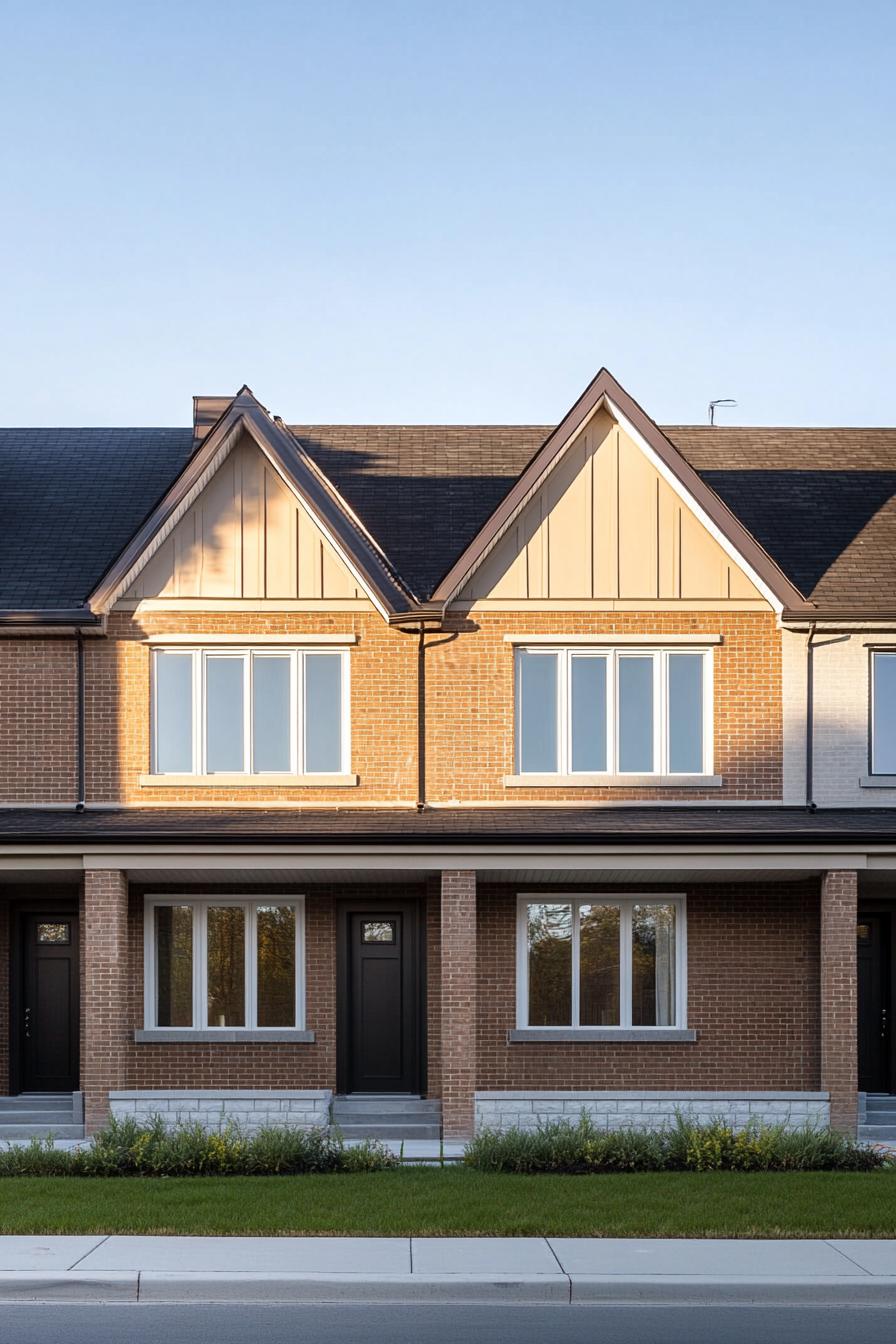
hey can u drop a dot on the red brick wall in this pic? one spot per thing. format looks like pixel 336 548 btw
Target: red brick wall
pixel 470 703
pixel 4 998
pixel 38 696
pixel 752 996
pixel 839 1026
pixel 106 986
pixel 458 1002
pixel 470 707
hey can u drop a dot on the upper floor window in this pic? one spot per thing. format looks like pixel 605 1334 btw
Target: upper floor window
pixel 613 711
pixel 250 711
pixel 883 713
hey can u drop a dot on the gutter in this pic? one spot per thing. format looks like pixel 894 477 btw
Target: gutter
pixel 58 619
pixel 810 718
pixel 81 802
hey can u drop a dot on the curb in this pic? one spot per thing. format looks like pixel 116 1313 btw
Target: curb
pixel 577 1289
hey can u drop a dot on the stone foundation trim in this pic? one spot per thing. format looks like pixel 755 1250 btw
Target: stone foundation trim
pixel 214 1108
pixel 219 1036
pixel 643 1035
pixel 650 1110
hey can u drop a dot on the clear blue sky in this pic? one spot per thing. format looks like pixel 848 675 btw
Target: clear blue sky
pixel 448 212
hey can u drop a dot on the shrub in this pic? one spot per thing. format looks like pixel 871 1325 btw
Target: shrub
pixel 560 1146
pixel 127 1148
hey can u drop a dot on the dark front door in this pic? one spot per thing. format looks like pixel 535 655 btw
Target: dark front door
pixel 873 957
pixel 49 1026
pixel 379 1043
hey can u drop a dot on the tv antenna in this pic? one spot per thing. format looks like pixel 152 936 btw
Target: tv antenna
pixel 721 401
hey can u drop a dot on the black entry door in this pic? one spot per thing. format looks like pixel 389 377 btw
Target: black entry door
pixel 873 956
pixel 49 1026
pixel 380 1035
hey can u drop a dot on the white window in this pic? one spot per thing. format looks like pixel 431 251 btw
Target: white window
pixel 601 961
pixel 250 711
pixel 222 962
pixel 883 713
pixel 613 711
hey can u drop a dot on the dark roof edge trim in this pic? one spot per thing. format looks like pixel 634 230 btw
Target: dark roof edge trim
pixel 49 616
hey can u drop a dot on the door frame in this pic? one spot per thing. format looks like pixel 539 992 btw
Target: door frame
pixel 882 907
pixel 54 907
pixel 413 909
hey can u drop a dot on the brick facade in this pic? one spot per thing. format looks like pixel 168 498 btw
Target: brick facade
pixel 839 1053
pixel 752 954
pixel 458 988
pixel 106 989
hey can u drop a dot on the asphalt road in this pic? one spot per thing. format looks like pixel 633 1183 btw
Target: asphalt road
pixel 237 1324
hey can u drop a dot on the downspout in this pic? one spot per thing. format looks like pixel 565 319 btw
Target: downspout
pixel 421 718
pixel 810 717
pixel 81 803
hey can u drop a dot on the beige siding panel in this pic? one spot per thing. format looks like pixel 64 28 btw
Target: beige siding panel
pixel 567 501
pixel 281 537
pixel 605 514
pixel 246 537
pixel 253 530
pixel 704 565
pixel 310 560
pixel 606 526
pixel 219 533
pixel 637 523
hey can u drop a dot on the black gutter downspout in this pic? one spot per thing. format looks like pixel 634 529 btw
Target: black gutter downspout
pixel 810 718
pixel 81 804
pixel 421 718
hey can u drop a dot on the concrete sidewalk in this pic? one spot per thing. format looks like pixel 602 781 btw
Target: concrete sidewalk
pixel 445 1269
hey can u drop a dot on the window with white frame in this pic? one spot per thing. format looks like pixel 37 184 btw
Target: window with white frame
pixel 613 711
pixel 883 712
pixel 601 961
pixel 222 962
pixel 250 711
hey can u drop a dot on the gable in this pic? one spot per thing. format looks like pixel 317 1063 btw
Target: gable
pixel 246 535
pixel 605 525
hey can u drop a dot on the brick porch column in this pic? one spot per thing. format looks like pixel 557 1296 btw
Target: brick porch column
pixel 839 1025
pixel 105 992
pixel 458 986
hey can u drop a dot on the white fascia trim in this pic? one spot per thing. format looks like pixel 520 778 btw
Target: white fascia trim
pixel 294 641
pixel 697 509
pixel 610 640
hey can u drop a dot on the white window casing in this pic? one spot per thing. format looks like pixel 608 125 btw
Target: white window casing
pixel 625 904
pixel 662 764
pixel 200 907
pixel 250 657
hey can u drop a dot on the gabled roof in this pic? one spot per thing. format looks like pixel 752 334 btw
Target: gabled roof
pixel 820 502
pixel 245 415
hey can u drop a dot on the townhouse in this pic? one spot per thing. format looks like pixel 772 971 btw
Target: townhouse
pixel 428 777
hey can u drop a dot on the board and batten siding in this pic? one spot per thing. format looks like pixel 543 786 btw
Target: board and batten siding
pixel 246 536
pixel 606 526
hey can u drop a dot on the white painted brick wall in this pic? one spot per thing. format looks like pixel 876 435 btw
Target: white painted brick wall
pixel 840 738
pixel 251 1110
pixel 650 1110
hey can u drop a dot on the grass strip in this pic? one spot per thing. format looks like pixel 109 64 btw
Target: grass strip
pixel 455 1202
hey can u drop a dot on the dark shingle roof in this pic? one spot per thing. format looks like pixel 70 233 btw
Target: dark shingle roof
pixel 821 501
pixel 594 826
pixel 69 501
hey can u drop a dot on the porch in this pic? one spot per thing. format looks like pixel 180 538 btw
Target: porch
pixel 406 984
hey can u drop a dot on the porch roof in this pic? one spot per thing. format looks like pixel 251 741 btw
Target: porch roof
pixel 520 826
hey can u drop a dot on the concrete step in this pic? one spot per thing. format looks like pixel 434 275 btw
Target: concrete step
pixel 23 1117
pixel 877 1133
pixel 60 1131
pixel 379 1119
pixel 35 1101
pixel 373 1101
pixel 395 1130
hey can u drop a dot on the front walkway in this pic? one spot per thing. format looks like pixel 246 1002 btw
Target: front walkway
pixel 445 1269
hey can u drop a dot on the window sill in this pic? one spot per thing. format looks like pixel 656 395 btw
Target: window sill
pixel 624 1035
pixel 248 781
pixel 877 782
pixel 612 781
pixel 222 1036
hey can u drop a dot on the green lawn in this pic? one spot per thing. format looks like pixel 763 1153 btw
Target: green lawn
pixel 458 1201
